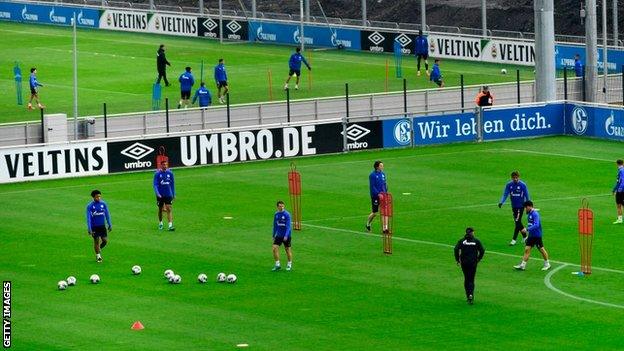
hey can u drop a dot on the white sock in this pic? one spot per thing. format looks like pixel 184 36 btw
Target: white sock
pixel 546 263
pixel 523 264
pixel 289 263
pixel 160 222
pixel 98 255
pixel 170 224
pixel 277 263
pixel 619 218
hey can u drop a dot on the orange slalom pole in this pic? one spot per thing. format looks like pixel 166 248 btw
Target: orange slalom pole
pixel 270 85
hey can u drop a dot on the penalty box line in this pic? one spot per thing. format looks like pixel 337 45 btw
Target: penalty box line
pixel 433 243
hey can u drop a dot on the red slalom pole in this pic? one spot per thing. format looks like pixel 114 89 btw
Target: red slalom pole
pixel 294 190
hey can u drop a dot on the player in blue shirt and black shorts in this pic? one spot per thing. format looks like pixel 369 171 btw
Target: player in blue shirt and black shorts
pixel 164 187
pixel 519 194
pixel 618 190
pixel 281 235
pixel 97 218
pixel 377 185
pixel 534 230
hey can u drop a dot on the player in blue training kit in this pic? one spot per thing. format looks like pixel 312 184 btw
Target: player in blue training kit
pixel 422 52
pixel 186 84
pixel 281 235
pixel 377 185
pixel 436 74
pixel 164 187
pixel 294 64
pixel 534 229
pixel 97 218
pixel 618 191
pixel 578 66
pixel 220 76
pixel 519 194
pixel 34 89
pixel 203 95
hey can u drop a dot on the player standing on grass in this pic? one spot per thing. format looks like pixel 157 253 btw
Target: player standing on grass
pixel 436 74
pixel 186 84
pixel 377 184
pixel 468 252
pixel 534 228
pixel 281 234
pixel 164 187
pixel 97 218
pixel 295 67
pixel 519 194
pixel 161 65
pixel 422 52
pixel 618 190
pixel 220 76
pixel 203 95
pixel 34 89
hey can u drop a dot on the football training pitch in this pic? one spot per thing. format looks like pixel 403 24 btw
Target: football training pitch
pixel 343 293
pixel 119 68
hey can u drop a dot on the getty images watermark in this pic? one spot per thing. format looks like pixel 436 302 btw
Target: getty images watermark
pixel 6 314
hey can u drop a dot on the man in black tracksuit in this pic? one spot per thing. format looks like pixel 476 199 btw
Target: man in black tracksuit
pixel 161 65
pixel 468 252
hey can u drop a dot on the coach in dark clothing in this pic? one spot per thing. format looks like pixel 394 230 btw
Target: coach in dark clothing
pixel 468 252
pixel 161 65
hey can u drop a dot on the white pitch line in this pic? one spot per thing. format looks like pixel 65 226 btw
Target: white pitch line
pixel 459 207
pixel 433 243
pixel 558 155
pixel 550 286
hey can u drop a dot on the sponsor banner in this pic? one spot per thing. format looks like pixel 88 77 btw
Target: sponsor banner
pixel 48 14
pixel 55 161
pixel 397 132
pixel 443 129
pixel 477 49
pixel 180 25
pixel 600 122
pixel 313 35
pixel 128 21
pixel 378 41
pixel 523 122
pixel 205 149
pixel 363 135
pixel 564 55
pixel 232 29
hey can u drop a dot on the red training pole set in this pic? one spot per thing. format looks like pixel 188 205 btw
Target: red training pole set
pixel 387 215
pixel 586 235
pixel 294 189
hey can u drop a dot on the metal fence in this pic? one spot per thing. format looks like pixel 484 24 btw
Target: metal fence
pixel 367 106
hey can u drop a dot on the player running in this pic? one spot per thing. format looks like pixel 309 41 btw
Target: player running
pixel 519 194
pixel 164 187
pixel 534 228
pixel 377 185
pixel 97 217
pixel 34 89
pixel 295 67
pixel 220 76
pixel 281 234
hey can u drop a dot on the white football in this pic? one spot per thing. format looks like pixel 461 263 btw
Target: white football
pixel 177 279
pixel 202 278
pixel 221 277
pixel 231 278
pixel 62 285
pixel 71 280
pixel 169 273
pixel 94 278
pixel 504 71
pixel 136 269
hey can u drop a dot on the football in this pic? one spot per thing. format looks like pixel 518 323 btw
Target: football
pixel 176 279
pixel 169 273
pixel 71 280
pixel 504 71
pixel 202 278
pixel 221 277
pixel 94 278
pixel 231 278
pixel 136 269
pixel 62 285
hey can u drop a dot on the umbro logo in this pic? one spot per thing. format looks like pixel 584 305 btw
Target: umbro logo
pixel 210 24
pixel 403 39
pixel 137 151
pixel 376 38
pixel 356 132
pixel 233 26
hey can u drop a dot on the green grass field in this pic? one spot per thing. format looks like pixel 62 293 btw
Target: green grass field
pixel 343 293
pixel 119 69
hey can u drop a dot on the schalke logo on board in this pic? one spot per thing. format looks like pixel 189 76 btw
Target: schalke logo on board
pixel 402 132
pixel 579 120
